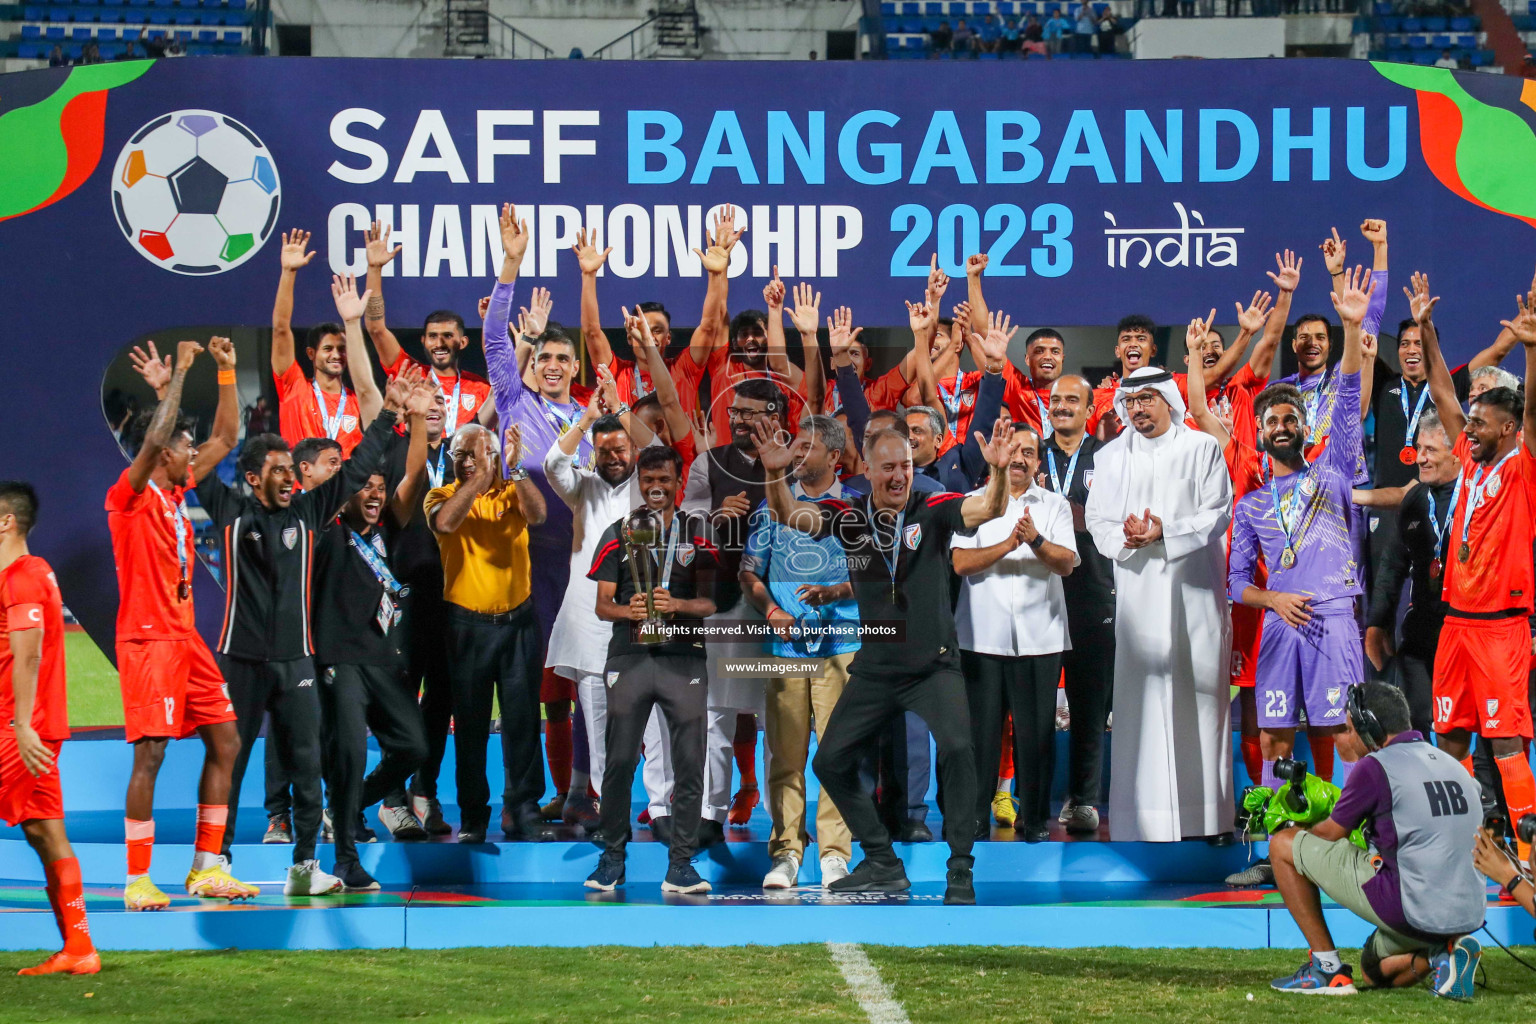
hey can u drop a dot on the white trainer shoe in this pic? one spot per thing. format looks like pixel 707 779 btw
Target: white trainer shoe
pixel 306 879
pixel 833 867
pixel 785 873
pixel 401 823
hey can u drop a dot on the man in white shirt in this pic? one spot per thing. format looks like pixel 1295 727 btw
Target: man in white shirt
pixel 578 643
pixel 1012 625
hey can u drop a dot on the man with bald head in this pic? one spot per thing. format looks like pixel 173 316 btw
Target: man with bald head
pixel 1066 464
pixel 1158 509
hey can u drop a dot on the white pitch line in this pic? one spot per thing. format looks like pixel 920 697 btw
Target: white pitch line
pixel 871 992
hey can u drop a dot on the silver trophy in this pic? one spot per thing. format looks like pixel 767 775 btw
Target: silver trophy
pixel 642 532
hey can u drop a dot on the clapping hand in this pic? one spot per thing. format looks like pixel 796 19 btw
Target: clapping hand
pixel 1143 530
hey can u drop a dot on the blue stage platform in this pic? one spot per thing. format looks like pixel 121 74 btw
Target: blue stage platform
pixel 1068 892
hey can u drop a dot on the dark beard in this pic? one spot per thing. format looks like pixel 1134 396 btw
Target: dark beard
pixel 1282 453
pixel 612 480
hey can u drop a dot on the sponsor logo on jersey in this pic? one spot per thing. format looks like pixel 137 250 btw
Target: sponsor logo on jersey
pixel 305 683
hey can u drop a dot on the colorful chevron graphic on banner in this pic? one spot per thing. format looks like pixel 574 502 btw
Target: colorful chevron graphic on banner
pixel 1483 152
pixel 49 149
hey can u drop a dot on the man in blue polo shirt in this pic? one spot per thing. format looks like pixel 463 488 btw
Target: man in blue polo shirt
pixel 801 586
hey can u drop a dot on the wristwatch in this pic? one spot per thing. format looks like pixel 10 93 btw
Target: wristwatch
pixel 1037 542
pixel 518 474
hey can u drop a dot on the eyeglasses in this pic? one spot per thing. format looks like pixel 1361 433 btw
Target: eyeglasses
pixel 734 413
pixel 1142 401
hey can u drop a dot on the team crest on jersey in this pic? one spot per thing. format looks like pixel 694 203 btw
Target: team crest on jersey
pixel 468 402
pixel 613 677
pixel 1333 694
pixel 348 424
pixel 968 399
pixel 1493 486
pixel 1493 707
pixel 1087 478
pixel 685 554
pixel 290 537
pixel 912 536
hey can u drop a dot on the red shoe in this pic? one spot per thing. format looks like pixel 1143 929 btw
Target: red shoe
pixel 741 806
pixel 66 963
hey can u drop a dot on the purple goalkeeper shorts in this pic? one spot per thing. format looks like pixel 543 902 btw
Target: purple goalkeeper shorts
pixel 1312 667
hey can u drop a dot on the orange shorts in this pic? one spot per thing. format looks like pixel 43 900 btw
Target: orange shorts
pixel 1482 670
pixel 553 687
pixel 1247 631
pixel 24 796
pixel 170 688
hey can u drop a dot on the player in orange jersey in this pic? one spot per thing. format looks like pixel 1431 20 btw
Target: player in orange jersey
pixel 1483 661
pixel 170 683
pixel 35 708
pixel 322 405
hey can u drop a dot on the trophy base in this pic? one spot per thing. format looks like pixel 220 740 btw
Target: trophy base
pixel 651 632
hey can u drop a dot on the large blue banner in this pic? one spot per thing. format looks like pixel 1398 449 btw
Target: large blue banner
pixel 145 196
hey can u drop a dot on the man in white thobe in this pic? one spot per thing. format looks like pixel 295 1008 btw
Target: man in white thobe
pixel 578 644
pixel 1159 510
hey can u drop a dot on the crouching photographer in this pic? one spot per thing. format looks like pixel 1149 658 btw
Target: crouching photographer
pixel 1413 876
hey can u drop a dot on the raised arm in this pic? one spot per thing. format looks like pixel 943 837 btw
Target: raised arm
pixel 1350 301
pixel 1494 354
pixel 531 321
pixel 1442 388
pixel 647 351
pixel 591 260
pixel 450 515
pixel 158 437
pixel 842 334
pixel 924 320
pixel 805 315
pixel 975 266
pixel 225 433
pixel 157 372
pixel 1262 359
pixel 716 261
pixel 350 306
pixel 1523 327
pixel 991 354
pixel 782 505
pixel 1199 408
pixel 777 347
pixel 406 501
pixel 500 355
pixel 380 254
pixel 293 255
pixel 993 500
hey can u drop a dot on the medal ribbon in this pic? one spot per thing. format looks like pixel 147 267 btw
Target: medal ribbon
pixel 559 420
pixel 331 425
pixel 437 467
pixel 1442 527
pixel 1475 492
pixel 1046 430
pixel 1313 401
pixel 895 558
pixel 451 423
pixel 183 519
pixel 1302 520
pixel 951 400
pixel 674 534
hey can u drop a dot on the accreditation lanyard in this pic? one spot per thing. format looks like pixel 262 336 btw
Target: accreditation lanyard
pixel 674 535
pixel 1475 491
pixel 1313 402
pixel 1063 484
pixel 895 556
pixel 437 467
pixel 330 424
pixel 1442 527
pixel 452 422
pixel 372 551
pixel 1046 430
pixel 1412 419
pixel 183 523
pixel 557 419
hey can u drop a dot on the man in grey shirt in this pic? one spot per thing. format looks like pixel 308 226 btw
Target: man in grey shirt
pixel 1414 880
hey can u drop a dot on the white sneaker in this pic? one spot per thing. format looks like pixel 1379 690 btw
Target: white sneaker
pixel 833 867
pixel 1083 818
pixel 306 879
pixel 401 823
pixel 785 873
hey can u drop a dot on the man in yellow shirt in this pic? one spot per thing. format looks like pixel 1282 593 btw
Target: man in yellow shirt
pixel 481 522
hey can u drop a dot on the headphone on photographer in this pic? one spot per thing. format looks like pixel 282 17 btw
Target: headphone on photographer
pixel 1365 723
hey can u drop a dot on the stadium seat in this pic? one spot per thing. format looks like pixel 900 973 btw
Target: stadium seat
pixel 1383 7
pixel 31 31
pixel 911 24
pixel 237 5
pixel 958 9
pixel 32 51
pixel 1413 25
pixel 1007 8
pixel 933 8
pixel 888 7
pixel 1029 7
pixel 1482 58
pixel 207 35
pixel 1100 8
pixel 1418 41
pixel 106 32
pixel 53 31
pixel 1436 24
pixel 184 34
pixel 931 23
pixel 1391 23
pixel 987 56
pixel 35 13
pixel 1440 42
pixel 185 19
pixel 1462 25
pixel 232 37
pixel 1424 57
pixel 981 8
pixel 80 32
pixel 909 7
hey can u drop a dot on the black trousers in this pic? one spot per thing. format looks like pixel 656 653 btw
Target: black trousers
pixel 427 621
pixel 679 684
pixel 1414 675
pixel 1026 686
pixel 867 707
pixel 1089 679
pixel 356 699
pixel 503 656
pixel 286 690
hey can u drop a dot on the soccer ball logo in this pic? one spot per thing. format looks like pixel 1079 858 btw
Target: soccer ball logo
pixel 196 192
